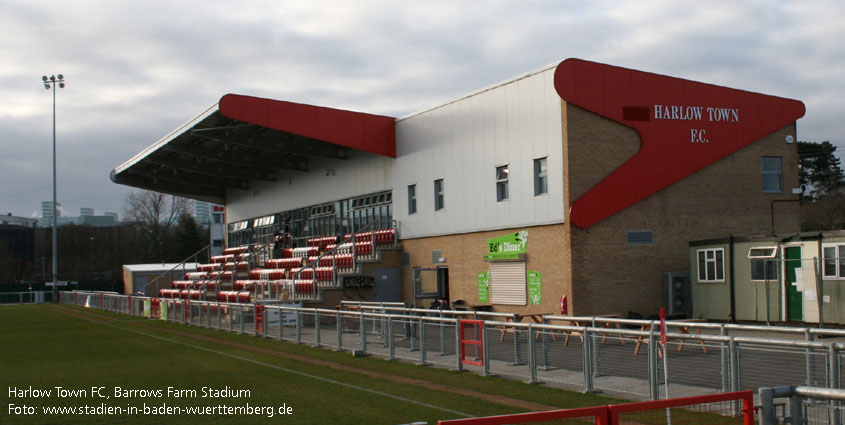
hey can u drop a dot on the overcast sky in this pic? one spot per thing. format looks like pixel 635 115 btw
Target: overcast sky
pixel 136 70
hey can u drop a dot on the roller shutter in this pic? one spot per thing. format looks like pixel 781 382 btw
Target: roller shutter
pixel 507 283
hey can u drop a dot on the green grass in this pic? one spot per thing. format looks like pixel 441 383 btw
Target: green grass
pixel 43 347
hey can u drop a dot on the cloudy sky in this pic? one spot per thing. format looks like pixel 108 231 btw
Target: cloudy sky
pixel 136 70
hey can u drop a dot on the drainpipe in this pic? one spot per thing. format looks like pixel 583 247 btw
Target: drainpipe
pixel 732 273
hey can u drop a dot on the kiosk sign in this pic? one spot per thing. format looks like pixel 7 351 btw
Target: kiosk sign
pixel 507 247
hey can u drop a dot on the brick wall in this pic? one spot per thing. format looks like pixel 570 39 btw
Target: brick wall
pixel 726 197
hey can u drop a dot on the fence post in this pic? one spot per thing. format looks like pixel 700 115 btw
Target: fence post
pixel 231 312
pixel 413 331
pixel 596 354
pixel 281 323
pixel 458 364
pixel 241 317
pixel 546 353
pixel 734 355
pixel 391 348
pixel 833 382
pixel 422 341
pixel 653 371
pixel 316 328
pixel 532 361
pixel 767 407
pixel 298 326
pixel 364 333
pixel 339 326
pixel 588 361
pixel 723 352
pixel 517 354
pixel 485 348
pixel 264 320
pixel 808 359
pixel 443 336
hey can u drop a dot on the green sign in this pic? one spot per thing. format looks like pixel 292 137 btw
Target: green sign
pixel 484 288
pixel 507 247
pixel 535 287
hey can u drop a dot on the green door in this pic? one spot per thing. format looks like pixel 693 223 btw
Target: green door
pixel 794 299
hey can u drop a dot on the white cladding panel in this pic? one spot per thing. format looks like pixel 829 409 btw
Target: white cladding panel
pixel 463 142
pixel 327 180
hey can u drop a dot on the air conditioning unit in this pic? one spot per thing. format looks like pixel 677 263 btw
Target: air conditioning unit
pixel 678 294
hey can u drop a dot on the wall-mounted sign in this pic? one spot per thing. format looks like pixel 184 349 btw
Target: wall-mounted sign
pixel 535 287
pixel 683 126
pixel 507 247
pixel 484 288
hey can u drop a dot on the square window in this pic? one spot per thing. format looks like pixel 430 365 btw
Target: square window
pixel 711 265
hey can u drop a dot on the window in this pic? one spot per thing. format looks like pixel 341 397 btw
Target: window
pixel 764 263
pixel 438 194
pixel 711 265
pixel 834 261
pixel 541 179
pixel 412 199
pixel 772 175
pixel 502 183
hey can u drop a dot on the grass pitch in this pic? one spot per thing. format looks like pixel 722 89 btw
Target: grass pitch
pixel 65 364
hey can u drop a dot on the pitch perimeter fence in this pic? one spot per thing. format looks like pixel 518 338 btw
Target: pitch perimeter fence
pixel 588 354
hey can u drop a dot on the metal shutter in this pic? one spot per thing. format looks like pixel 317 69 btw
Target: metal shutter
pixel 507 283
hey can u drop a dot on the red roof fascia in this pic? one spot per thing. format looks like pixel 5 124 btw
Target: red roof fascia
pixel 356 130
pixel 675 143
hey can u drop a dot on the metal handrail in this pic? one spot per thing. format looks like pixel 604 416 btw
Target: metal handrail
pixel 182 264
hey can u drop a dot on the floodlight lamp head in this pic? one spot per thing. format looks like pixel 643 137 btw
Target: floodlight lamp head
pixel 61 85
pixel 61 77
pixel 46 86
pixel 53 78
pixel 44 78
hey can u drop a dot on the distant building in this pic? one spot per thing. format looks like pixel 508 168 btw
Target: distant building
pixel 202 213
pixel 47 212
pixel 86 212
pixel 217 229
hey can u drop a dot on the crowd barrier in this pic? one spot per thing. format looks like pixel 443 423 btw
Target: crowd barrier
pixel 590 354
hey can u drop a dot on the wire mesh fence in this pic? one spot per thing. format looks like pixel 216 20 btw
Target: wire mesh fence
pixel 618 356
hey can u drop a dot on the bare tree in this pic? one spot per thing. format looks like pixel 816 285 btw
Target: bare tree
pixel 155 215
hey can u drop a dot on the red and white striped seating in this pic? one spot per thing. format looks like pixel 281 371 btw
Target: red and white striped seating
pixel 304 252
pixel 196 275
pixel 235 250
pixel 182 284
pixel 322 242
pixel 169 293
pixel 223 258
pixel 267 274
pixel 209 267
pixel 234 296
pixel 283 263
pixel 245 285
pixel 192 294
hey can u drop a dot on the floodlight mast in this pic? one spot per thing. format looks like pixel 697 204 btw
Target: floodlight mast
pixel 50 83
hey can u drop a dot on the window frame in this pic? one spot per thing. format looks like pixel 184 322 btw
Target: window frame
pixel 715 260
pixel 502 183
pixel 541 178
pixel 837 262
pixel 766 173
pixel 439 196
pixel 770 257
pixel 412 199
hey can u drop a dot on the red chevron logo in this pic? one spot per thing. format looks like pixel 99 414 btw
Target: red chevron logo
pixel 683 125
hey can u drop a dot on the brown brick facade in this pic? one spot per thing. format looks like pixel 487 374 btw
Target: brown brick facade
pixel 595 267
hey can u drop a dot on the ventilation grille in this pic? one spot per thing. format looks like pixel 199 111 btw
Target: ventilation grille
pixel 640 237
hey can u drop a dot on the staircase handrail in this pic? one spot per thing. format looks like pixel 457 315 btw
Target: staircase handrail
pixel 180 264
